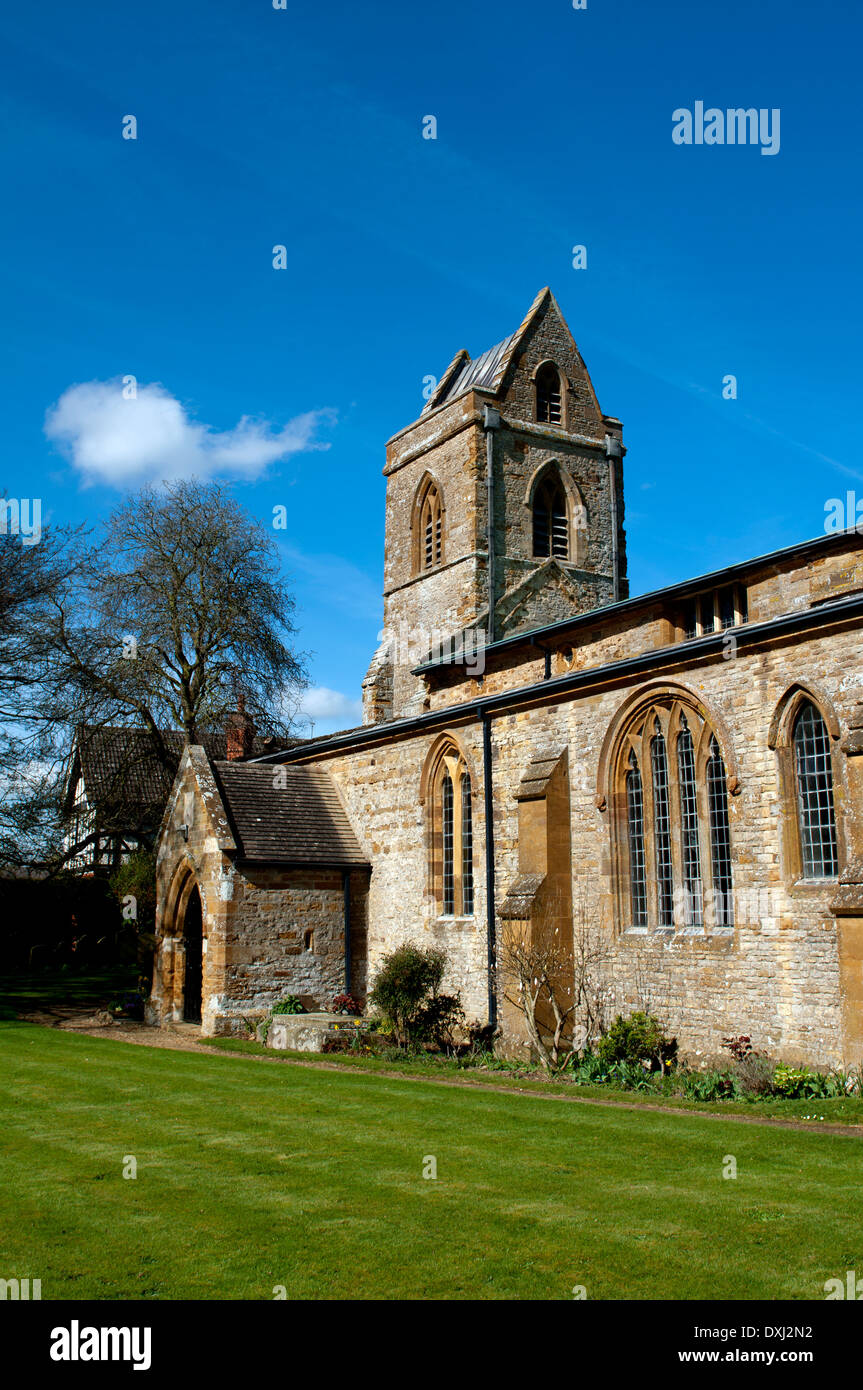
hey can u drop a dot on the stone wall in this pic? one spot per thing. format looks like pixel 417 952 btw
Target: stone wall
pixel 449 444
pixel 776 975
pixel 255 918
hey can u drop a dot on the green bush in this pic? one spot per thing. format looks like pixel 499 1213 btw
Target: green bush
pixel 799 1083
pixel 437 1020
pixel 711 1085
pixel 638 1038
pixel 289 1005
pixel 407 992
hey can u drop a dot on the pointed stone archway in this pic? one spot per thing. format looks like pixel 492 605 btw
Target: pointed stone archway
pixel 193 957
pixel 180 967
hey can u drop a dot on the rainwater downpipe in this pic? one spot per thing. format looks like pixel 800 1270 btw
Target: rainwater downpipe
pixel 614 451
pixel 491 931
pixel 346 909
pixel 490 423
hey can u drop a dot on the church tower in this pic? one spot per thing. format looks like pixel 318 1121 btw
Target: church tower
pixel 517 434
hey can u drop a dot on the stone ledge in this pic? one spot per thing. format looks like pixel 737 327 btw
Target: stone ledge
pixel 308 1032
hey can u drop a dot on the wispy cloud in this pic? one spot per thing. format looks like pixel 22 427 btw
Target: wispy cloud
pixel 327 711
pixel 337 582
pixel 322 703
pixel 111 439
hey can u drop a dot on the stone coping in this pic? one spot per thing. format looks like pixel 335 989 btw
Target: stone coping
pixel 324 1020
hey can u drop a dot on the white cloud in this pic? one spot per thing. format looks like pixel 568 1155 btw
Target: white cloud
pixel 151 438
pixel 330 707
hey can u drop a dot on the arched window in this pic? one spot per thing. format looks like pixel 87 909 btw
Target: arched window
pixel 448 845
pixel 466 847
pixel 549 398
pixel 670 824
pixel 691 853
pixel 452 834
pixel 635 818
pixel 816 815
pixel 720 837
pixel 662 829
pixel 428 534
pixel 550 523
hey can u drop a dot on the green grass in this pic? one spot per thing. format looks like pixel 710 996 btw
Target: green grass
pixel 253 1175
pixel 26 991
pixel 842 1110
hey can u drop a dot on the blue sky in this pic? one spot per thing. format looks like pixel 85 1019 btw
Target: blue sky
pixel 303 127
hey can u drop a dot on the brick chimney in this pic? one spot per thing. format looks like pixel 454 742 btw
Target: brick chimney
pixel 240 731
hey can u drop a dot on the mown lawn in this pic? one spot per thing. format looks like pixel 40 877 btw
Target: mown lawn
pixel 838 1110
pixel 27 990
pixel 252 1175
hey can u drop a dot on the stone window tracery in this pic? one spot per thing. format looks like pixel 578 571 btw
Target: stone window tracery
pixel 816 813
pixel 451 825
pixel 671 823
pixel 428 527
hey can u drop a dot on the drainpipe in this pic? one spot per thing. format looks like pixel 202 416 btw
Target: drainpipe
pixel 490 423
pixel 614 451
pixel 346 907
pixel 488 794
pixel 547 654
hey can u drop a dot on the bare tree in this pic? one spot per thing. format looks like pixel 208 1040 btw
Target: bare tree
pixel 537 978
pixel 557 979
pixel 592 992
pixel 179 607
pixel 33 572
pixel 158 620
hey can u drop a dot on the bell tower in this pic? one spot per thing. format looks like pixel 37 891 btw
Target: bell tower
pixel 516 434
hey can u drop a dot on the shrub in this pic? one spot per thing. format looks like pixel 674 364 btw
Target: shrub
pixel 755 1073
pixel 797 1083
pixel 481 1036
pixel 711 1085
pixel 346 1004
pixel 407 989
pixel 638 1038
pixel 739 1047
pixel 438 1019
pixel 289 1005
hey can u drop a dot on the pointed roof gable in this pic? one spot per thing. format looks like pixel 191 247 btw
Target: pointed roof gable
pixel 490 368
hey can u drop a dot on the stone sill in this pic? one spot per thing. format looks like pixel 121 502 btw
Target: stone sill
pixel 682 934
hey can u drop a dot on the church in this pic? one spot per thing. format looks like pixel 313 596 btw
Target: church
pixel 674 778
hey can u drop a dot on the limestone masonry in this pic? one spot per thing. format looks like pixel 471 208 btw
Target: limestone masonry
pixel 675 778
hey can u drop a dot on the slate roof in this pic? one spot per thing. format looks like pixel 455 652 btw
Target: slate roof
pixel 520 897
pixel 123 777
pixel 302 822
pixel 489 369
pixel 535 780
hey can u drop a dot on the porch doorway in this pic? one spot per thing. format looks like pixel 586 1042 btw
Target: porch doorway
pixel 193 980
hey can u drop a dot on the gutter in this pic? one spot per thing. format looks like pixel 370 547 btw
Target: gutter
pixel 656 659
pixel 672 592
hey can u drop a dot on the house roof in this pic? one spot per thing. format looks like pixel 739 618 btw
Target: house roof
pixel 124 777
pixel 287 815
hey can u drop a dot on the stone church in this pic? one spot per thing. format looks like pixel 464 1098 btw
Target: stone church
pixel 676 777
